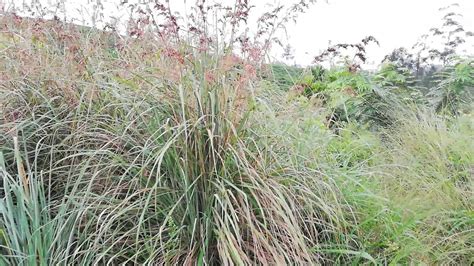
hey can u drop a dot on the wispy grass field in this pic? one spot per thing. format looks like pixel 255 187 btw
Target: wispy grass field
pixel 130 150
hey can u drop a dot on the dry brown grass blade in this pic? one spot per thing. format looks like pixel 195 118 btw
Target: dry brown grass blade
pixel 21 169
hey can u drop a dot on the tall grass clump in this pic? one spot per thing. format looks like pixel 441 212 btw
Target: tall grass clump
pixel 428 182
pixel 404 191
pixel 137 150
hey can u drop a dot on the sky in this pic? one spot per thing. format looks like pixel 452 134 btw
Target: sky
pixel 394 23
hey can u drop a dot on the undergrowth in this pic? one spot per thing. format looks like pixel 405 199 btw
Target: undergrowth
pixel 151 150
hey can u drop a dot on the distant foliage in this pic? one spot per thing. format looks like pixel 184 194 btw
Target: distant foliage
pixel 359 53
pixel 425 59
pixel 455 89
pixel 284 76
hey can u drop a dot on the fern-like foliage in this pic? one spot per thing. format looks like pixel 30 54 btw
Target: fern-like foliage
pixel 455 88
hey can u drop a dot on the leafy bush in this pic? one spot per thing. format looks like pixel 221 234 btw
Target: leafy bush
pixel 455 87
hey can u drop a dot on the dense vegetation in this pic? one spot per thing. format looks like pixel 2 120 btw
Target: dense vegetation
pixel 144 150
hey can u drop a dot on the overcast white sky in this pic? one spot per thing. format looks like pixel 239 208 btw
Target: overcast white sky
pixel 394 23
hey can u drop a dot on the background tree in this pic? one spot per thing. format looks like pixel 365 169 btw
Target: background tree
pixel 452 33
